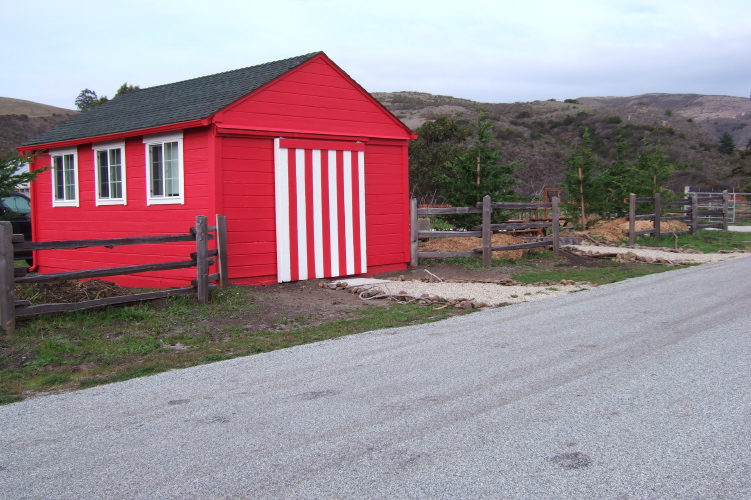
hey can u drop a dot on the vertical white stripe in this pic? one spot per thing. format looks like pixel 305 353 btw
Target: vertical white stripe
pixel 348 227
pixel 333 215
pixel 317 213
pixel 302 230
pixel 363 239
pixel 281 191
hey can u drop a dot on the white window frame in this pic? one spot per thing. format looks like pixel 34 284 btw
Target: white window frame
pixel 62 152
pixel 160 140
pixel 107 147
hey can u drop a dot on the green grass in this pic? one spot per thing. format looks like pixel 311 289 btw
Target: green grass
pixel 705 241
pixel 476 262
pixel 609 273
pixel 87 348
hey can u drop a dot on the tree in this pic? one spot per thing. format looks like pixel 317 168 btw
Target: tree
pixel 615 183
pixel 474 173
pixel 727 144
pixel 438 142
pixel 88 100
pixel 651 171
pixel 11 173
pixel 578 178
pixel 125 88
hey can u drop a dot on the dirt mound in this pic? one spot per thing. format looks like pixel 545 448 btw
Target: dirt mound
pixel 56 292
pixel 617 230
pixel 469 244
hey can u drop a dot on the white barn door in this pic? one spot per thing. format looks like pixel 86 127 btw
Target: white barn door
pixel 320 209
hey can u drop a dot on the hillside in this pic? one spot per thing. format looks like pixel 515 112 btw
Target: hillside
pixel 544 133
pixel 21 120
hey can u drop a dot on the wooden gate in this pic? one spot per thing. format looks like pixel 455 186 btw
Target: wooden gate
pixel 320 209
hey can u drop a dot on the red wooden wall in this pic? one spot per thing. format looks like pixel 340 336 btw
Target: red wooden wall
pixel 115 221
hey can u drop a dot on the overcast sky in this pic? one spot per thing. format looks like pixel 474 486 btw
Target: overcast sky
pixel 489 51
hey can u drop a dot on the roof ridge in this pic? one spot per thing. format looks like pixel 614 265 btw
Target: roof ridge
pixel 307 56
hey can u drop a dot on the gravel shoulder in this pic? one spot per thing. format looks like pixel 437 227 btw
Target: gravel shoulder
pixel 658 254
pixel 490 293
pixel 494 294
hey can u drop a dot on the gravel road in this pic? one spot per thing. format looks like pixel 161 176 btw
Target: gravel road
pixel 639 389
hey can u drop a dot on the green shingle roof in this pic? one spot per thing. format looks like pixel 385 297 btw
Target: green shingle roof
pixel 172 103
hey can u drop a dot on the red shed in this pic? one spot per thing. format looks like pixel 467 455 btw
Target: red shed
pixel 309 169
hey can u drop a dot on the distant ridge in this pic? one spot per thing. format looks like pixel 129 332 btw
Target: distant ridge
pixel 11 106
pixel 21 120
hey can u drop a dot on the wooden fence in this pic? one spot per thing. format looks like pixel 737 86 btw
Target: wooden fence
pixel 201 260
pixel 485 231
pixel 689 210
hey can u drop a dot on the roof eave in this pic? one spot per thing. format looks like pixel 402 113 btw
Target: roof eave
pixel 202 122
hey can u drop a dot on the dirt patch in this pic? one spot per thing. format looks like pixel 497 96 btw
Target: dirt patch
pixel 615 231
pixel 469 244
pixel 56 292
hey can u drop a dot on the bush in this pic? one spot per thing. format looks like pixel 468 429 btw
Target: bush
pixel 613 120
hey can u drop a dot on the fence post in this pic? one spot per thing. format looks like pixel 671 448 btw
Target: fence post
pixel 7 298
pixel 725 210
pixel 632 219
pixel 658 215
pixel 221 248
pixel 694 213
pixel 202 259
pixel 556 229
pixel 413 240
pixel 487 233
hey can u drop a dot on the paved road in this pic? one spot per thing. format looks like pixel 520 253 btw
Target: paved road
pixel 641 389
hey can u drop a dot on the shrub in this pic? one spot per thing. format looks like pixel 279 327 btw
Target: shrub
pixel 613 120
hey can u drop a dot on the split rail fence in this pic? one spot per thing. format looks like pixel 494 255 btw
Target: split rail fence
pixel 691 210
pixel 201 259
pixel 485 231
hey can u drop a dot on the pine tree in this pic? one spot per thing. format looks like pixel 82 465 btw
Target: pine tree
pixel 474 173
pixel 437 142
pixel 616 183
pixel 727 144
pixel 579 178
pixel 652 170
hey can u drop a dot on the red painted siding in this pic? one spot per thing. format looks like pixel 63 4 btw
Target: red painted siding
pixel 114 221
pixel 315 98
pixel 248 198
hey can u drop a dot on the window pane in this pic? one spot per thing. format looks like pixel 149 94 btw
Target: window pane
pixel 59 184
pixel 116 182
pixel 157 178
pixel 171 169
pixel 104 184
pixel 70 180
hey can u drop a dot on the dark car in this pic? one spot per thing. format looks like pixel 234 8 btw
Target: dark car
pixel 16 208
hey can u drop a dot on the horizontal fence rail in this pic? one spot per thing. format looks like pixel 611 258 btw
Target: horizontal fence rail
pixel 201 259
pixel 485 230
